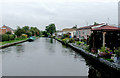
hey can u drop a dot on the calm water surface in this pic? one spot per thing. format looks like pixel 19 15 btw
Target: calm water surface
pixel 43 57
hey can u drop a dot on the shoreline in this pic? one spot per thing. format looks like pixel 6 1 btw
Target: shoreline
pixel 113 66
pixel 11 44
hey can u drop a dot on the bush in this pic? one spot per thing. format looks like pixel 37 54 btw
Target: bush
pixel 65 36
pixel 5 37
pixel 28 34
pixel 79 42
pixel 66 40
pixel 23 36
pixel 117 52
pixel 11 37
pixel 71 40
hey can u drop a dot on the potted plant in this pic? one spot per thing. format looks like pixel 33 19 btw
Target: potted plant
pixel 117 56
pixel 105 52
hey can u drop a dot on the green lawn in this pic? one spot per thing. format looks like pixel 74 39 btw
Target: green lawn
pixel 11 41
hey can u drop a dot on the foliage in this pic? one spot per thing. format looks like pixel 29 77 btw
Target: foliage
pixel 105 50
pixel 8 32
pixel 71 40
pixel 51 29
pixel 117 52
pixel 65 36
pixel 28 33
pixel 19 32
pixel 95 23
pixel 44 33
pixel 33 31
pixel 5 37
pixel 79 42
pixel 74 27
pixel 66 40
pixel 11 37
pixel 24 36
pixel 26 28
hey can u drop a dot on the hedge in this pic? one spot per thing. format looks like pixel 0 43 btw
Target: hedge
pixel 6 37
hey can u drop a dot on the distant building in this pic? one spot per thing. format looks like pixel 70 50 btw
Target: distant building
pixel 71 31
pixel 5 29
pixel 59 34
pixel 84 32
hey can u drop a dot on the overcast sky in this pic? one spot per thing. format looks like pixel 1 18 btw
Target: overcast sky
pixel 64 13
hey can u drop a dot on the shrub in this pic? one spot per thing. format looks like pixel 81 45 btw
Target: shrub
pixel 11 37
pixel 28 34
pixel 65 36
pixel 79 42
pixel 66 40
pixel 5 37
pixel 24 36
pixel 117 52
pixel 71 40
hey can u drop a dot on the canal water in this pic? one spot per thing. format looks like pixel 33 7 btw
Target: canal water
pixel 45 57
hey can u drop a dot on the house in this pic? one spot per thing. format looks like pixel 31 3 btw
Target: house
pixel 71 31
pixel 59 34
pixel 85 32
pixel 106 36
pixel 5 29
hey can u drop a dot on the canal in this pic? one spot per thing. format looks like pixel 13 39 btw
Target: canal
pixel 45 57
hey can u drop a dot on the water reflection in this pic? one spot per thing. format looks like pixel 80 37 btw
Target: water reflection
pixel 51 40
pixel 19 50
pixel 93 73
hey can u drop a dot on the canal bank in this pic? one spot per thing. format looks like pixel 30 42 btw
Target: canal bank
pixel 14 43
pixel 11 44
pixel 113 67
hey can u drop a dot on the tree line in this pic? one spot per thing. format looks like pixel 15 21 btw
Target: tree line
pixel 21 33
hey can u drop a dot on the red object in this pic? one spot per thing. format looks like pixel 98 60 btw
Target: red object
pixel 106 27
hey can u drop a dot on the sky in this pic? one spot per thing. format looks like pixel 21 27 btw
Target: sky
pixel 64 13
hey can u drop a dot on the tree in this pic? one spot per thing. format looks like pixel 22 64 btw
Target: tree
pixel 74 27
pixel 51 29
pixel 8 32
pixel 95 23
pixel 19 32
pixel 26 28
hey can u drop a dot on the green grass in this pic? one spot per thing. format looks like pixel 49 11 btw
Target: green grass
pixel 11 41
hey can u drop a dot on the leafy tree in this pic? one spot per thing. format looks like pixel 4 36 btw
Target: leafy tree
pixel 44 33
pixel 51 29
pixel 95 23
pixel 19 32
pixel 74 26
pixel 26 28
pixel 28 33
pixel 8 32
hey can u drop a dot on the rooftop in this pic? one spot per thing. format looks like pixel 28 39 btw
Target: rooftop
pixel 68 29
pixel 106 27
pixel 89 27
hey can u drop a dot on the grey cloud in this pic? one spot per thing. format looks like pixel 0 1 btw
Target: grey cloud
pixel 63 15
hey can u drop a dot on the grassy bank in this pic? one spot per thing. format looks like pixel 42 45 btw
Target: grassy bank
pixel 12 41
